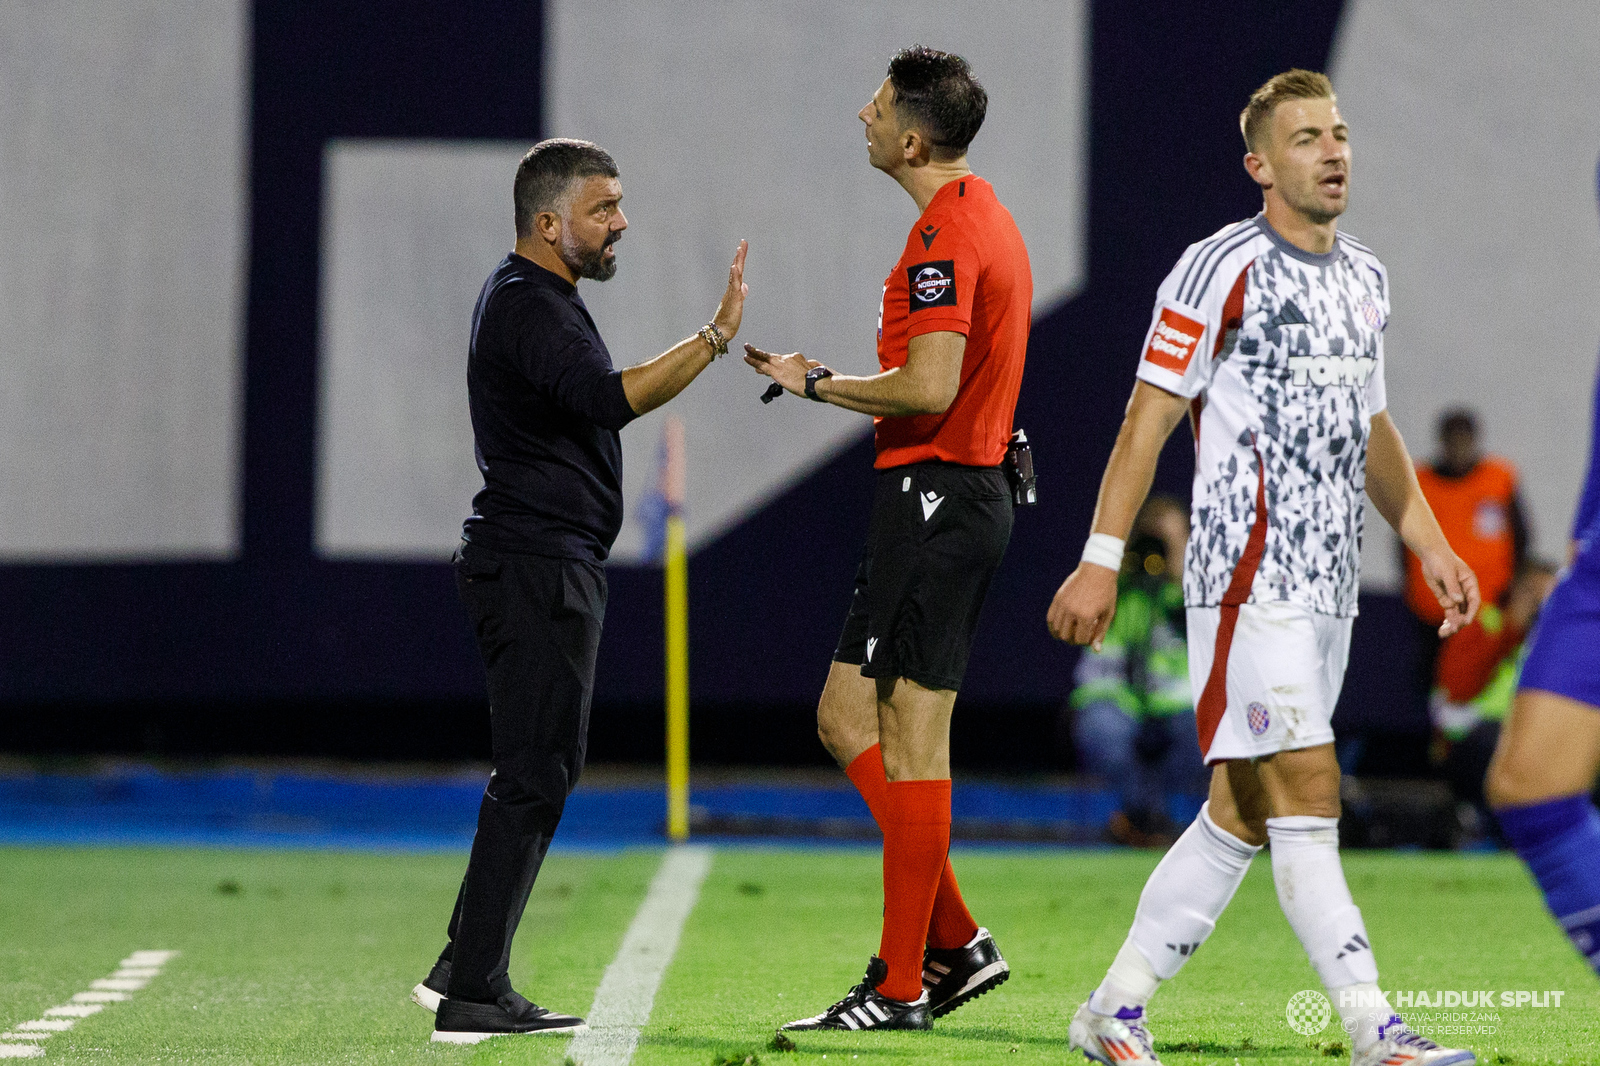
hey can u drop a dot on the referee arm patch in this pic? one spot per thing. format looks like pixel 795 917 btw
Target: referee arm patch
pixel 932 284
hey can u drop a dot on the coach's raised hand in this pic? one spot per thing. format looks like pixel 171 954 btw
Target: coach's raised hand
pixel 730 312
pixel 653 383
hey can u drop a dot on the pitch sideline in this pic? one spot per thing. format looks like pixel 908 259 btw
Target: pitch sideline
pixel 133 973
pixel 627 991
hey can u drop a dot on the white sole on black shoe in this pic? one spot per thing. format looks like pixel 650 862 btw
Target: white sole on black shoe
pixel 987 979
pixel 452 1036
pixel 426 998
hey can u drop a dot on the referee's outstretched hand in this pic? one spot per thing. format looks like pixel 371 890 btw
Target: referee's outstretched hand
pixel 787 370
pixel 1084 606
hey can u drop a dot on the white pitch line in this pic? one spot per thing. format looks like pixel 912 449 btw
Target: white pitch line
pixel 133 974
pixel 119 984
pixel 628 990
pixel 75 1010
pixel 149 958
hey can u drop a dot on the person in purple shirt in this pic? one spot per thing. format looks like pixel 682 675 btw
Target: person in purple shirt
pixel 1549 752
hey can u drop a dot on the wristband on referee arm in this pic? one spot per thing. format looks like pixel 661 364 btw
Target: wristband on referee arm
pixel 1105 550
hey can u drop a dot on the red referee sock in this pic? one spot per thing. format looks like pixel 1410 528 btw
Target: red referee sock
pixel 952 925
pixel 916 844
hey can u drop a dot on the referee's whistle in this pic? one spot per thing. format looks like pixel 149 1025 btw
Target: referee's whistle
pixel 773 392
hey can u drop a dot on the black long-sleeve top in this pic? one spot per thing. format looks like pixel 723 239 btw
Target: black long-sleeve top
pixel 546 407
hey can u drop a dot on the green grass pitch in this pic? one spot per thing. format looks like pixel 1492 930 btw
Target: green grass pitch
pixel 308 957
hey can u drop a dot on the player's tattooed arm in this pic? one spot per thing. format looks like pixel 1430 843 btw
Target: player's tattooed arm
pixel 1086 602
pixel 1392 484
pixel 926 385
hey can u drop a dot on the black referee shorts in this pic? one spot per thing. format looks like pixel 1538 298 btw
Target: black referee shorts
pixel 939 531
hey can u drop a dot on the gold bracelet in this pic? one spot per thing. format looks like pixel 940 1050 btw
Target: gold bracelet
pixel 713 336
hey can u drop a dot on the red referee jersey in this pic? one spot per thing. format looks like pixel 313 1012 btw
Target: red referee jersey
pixel 965 270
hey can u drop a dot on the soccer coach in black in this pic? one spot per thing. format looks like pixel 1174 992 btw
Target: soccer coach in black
pixel 546 407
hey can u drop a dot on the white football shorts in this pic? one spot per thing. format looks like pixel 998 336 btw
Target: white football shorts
pixel 1281 669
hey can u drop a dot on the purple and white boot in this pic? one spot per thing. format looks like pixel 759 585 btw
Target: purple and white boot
pixel 1119 1039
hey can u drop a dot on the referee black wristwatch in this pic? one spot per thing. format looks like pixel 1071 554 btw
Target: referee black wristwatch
pixel 814 375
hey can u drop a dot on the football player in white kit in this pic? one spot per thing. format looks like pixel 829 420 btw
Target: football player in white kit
pixel 1269 334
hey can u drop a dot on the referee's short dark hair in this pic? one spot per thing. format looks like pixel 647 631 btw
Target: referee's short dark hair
pixel 936 93
pixel 546 174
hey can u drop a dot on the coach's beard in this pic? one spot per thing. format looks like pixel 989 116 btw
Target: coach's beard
pixel 590 263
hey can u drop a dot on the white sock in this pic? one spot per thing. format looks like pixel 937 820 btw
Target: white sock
pixel 1316 900
pixel 1129 983
pixel 1362 1008
pixel 1178 908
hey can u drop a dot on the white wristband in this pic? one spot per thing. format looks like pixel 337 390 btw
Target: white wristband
pixel 1104 550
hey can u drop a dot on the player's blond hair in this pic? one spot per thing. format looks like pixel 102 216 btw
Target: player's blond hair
pixel 1296 84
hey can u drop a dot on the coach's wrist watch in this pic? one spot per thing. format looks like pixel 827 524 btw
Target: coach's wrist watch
pixel 814 375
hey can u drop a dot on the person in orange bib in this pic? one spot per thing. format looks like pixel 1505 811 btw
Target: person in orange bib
pixel 1477 501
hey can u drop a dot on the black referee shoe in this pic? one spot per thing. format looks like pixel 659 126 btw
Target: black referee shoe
pixel 428 994
pixel 953 976
pixel 864 1008
pixel 461 1022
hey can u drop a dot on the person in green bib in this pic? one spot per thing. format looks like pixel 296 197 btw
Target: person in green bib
pixel 1132 708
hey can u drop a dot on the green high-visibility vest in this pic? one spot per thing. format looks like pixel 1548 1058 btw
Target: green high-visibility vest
pixel 1143 666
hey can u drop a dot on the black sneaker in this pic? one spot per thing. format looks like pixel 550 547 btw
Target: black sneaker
pixel 428 994
pixel 461 1022
pixel 864 1008
pixel 952 976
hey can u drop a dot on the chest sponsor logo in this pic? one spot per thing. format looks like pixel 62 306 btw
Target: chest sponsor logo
pixel 932 284
pixel 1173 341
pixel 1330 369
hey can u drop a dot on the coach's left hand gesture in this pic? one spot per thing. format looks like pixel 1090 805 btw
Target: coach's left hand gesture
pixel 730 312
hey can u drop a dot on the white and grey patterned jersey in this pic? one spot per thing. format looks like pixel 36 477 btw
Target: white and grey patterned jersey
pixel 1281 353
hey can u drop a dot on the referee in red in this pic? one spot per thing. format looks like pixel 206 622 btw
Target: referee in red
pixel 952 336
